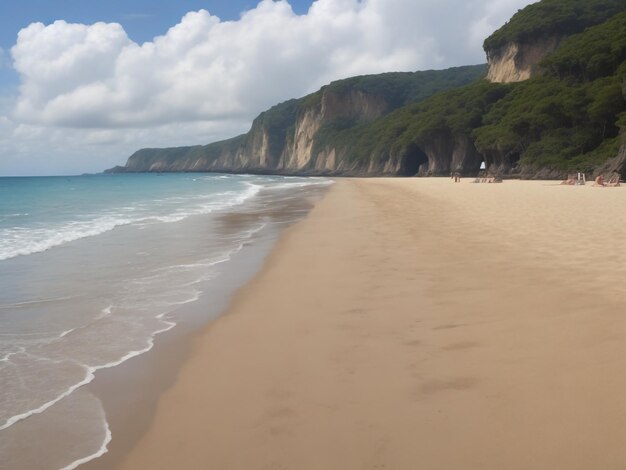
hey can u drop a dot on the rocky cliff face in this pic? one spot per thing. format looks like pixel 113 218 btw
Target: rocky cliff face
pixel 445 153
pixel 288 148
pixel 616 164
pixel 300 152
pixel 297 150
pixel 515 62
pixel 297 137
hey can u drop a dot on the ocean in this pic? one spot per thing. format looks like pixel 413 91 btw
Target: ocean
pixel 93 268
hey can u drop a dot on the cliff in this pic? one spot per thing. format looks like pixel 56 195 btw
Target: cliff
pixel 552 104
pixel 515 51
pixel 515 62
pixel 617 164
pixel 304 136
pixel 565 119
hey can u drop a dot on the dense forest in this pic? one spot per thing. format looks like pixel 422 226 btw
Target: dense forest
pixel 553 18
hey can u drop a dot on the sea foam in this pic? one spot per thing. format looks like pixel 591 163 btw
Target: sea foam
pixel 22 240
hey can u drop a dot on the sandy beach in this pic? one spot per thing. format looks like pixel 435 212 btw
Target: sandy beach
pixel 416 323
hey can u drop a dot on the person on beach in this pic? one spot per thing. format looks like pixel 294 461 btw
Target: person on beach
pixel 599 181
pixel 614 181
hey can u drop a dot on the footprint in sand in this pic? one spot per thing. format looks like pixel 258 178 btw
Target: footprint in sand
pixel 457 384
pixel 460 346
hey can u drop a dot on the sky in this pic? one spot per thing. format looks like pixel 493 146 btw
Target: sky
pixel 85 83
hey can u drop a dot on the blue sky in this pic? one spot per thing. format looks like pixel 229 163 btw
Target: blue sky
pixel 142 19
pixel 86 83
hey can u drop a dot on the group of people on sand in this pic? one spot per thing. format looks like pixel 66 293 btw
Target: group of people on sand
pixel 614 181
pixel 571 179
pixel 578 178
pixel 488 179
pixel 599 181
pixel 481 179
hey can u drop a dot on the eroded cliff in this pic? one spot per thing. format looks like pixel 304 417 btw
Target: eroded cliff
pixel 301 136
pixel 515 50
pixel 515 62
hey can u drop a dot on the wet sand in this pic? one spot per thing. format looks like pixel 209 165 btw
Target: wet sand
pixel 416 323
pixel 129 392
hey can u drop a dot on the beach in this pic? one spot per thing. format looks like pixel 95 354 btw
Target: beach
pixel 415 323
pixel 105 280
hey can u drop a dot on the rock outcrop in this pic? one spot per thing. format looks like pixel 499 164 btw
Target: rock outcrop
pixel 443 153
pixel 354 106
pixel 515 50
pixel 616 164
pixel 515 62
pixel 288 148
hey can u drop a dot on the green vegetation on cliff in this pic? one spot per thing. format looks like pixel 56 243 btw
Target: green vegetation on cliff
pixel 400 88
pixel 553 18
pixel 396 89
pixel 456 111
pixel 572 116
pixel 169 159
pixel 598 52
pixel 566 119
pixel 278 123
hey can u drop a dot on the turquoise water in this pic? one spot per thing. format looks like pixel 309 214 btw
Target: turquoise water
pixel 92 269
pixel 39 213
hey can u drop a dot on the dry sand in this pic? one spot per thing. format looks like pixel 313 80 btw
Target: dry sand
pixel 417 324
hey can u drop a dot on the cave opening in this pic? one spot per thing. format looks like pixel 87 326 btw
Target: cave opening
pixel 514 158
pixel 412 160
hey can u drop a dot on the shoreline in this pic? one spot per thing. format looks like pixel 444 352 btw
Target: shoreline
pixel 129 391
pixel 145 378
pixel 439 325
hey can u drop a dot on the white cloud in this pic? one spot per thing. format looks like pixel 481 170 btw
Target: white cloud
pixel 493 15
pixel 206 77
